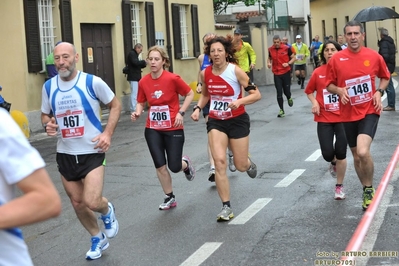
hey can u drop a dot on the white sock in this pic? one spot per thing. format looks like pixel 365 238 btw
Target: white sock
pixel 100 235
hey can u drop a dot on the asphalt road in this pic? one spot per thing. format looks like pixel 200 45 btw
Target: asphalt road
pixel 285 216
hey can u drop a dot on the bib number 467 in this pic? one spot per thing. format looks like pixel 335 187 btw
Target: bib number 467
pixel 71 121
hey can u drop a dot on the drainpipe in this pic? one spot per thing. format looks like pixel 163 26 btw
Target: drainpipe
pixel 168 45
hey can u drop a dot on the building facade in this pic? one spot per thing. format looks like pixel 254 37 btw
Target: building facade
pixel 284 18
pixel 103 32
pixel 329 18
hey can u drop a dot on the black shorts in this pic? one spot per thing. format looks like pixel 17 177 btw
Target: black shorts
pixel 367 125
pixel 76 167
pixel 234 128
pixel 300 67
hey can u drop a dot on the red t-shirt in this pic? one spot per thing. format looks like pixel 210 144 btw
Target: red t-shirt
pixel 358 71
pixel 329 103
pixel 162 94
pixel 279 56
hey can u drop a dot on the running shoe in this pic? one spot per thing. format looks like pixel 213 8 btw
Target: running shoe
pixel 290 102
pixel 110 223
pixel 339 193
pixel 368 195
pixel 253 170
pixel 97 247
pixel 281 113
pixel 169 202
pixel 225 215
pixel 212 175
pixel 299 81
pixel 333 170
pixel 190 171
pixel 232 167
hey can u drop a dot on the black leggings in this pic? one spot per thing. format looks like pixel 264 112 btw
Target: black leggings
pixel 283 84
pixel 326 132
pixel 171 142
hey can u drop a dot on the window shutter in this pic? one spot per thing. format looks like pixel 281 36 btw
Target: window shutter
pixel 195 30
pixel 176 31
pixel 66 21
pixel 32 36
pixel 127 27
pixel 149 9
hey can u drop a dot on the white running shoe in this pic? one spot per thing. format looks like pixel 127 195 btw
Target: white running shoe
pixel 110 223
pixel 225 215
pixel 169 202
pixel 339 193
pixel 97 247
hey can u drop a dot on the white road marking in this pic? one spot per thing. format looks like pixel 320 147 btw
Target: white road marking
pixel 290 178
pixel 372 234
pixel 314 156
pixel 204 252
pixel 250 211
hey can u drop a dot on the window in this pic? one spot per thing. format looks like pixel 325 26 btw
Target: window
pixel 136 27
pixel 181 31
pixel 46 29
pixel 159 39
pixel 132 24
pixel 39 29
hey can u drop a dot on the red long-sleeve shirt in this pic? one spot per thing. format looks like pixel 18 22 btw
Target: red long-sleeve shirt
pixel 278 56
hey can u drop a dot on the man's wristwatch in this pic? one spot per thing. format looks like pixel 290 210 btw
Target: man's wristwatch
pixel 381 91
pixel 182 113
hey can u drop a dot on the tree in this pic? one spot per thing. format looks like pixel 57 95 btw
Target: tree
pixel 220 6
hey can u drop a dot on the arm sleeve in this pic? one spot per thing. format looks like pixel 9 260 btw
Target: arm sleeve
pixel 252 54
pixel 383 72
pixel 46 107
pixel 19 159
pixel 102 90
pixel 312 84
pixel 331 77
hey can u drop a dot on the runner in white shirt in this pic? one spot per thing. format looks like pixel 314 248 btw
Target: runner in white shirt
pixel 21 167
pixel 71 111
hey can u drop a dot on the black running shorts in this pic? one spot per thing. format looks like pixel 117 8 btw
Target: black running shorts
pixel 367 125
pixel 76 167
pixel 234 128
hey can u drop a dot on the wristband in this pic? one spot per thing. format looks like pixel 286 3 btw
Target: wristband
pixel 196 107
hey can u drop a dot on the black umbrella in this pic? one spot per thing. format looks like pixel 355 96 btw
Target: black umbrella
pixel 375 13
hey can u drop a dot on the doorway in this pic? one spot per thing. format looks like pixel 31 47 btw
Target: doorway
pixel 97 52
